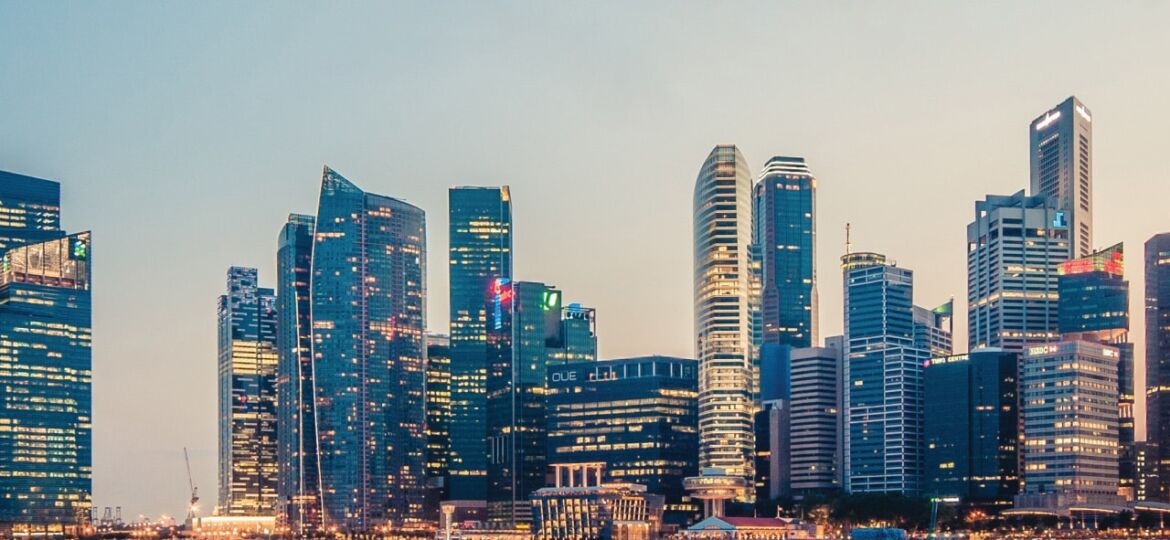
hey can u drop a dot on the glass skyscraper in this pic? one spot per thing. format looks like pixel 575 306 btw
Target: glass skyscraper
pixel 883 377
pixel 815 427
pixel 1061 156
pixel 971 427
pixel 480 251
pixel 46 444
pixel 1014 249
pixel 1094 307
pixel 1158 357
pixel 247 362
pixel 638 415
pixel 368 308
pixel 786 232
pixel 30 210
pixel 723 288
pixel 438 407
pixel 525 330
pixel 299 483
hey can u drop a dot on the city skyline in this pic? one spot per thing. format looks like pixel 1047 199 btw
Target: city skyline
pixel 153 189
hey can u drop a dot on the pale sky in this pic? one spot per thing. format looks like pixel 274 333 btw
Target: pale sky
pixel 184 133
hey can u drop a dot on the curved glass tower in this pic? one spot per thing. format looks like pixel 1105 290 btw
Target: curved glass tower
pixel 368 304
pixel 723 326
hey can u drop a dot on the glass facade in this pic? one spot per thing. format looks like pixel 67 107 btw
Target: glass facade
pixel 438 405
pixel 480 251
pixel 525 333
pixel 723 290
pixel 368 307
pixel 883 377
pixel 786 231
pixel 30 210
pixel 46 442
pixel 815 427
pixel 1061 157
pixel 299 483
pixel 247 362
pixel 1158 357
pixel 638 415
pixel 1094 306
pixel 971 427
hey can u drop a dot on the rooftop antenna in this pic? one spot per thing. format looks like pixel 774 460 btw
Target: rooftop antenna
pixel 848 242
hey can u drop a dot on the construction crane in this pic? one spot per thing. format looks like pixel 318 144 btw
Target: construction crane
pixel 192 507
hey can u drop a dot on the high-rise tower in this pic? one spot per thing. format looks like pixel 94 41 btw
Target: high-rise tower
pixel 30 210
pixel 723 325
pixel 1014 248
pixel 299 484
pixel 46 442
pixel 247 396
pixel 1061 155
pixel 1158 356
pixel 368 291
pixel 786 231
pixel 480 251
pixel 883 377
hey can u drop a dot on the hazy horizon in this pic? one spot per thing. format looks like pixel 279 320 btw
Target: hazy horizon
pixel 183 135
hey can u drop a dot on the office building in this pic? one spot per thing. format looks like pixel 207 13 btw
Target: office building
pixel 1061 156
pixel 298 482
pixel 1158 355
pixel 933 329
pixel 368 308
pixel 46 372
pixel 971 427
pixel 438 409
pixel 1094 306
pixel 1069 407
pixel 1014 248
pixel 723 306
pixel 883 377
pixel 480 251
pixel 772 422
pixel 525 333
pixel 30 210
pixel 815 440
pixel 1146 479
pixel 638 415
pixel 785 231
pixel 247 396
pixel 581 504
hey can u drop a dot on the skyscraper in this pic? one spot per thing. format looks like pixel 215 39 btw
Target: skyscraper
pixel 480 251
pixel 46 444
pixel 298 488
pixel 883 377
pixel 638 415
pixel 773 420
pixel 30 210
pixel 438 426
pixel 368 305
pixel 815 427
pixel 1014 248
pixel 525 330
pixel 1061 155
pixel 1158 355
pixel 247 362
pixel 723 325
pixel 786 230
pixel 1094 307
pixel 1070 452
pixel 971 427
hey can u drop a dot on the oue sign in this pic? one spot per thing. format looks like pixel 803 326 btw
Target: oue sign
pixel 564 376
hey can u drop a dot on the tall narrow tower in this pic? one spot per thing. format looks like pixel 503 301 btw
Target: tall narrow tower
pixel 723 326
pixel 368 302
pixel 1061 155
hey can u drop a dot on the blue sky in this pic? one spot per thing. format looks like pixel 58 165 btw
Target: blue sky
pixel 184 133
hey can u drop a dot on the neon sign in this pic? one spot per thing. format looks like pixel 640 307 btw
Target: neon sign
pixel 501 293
